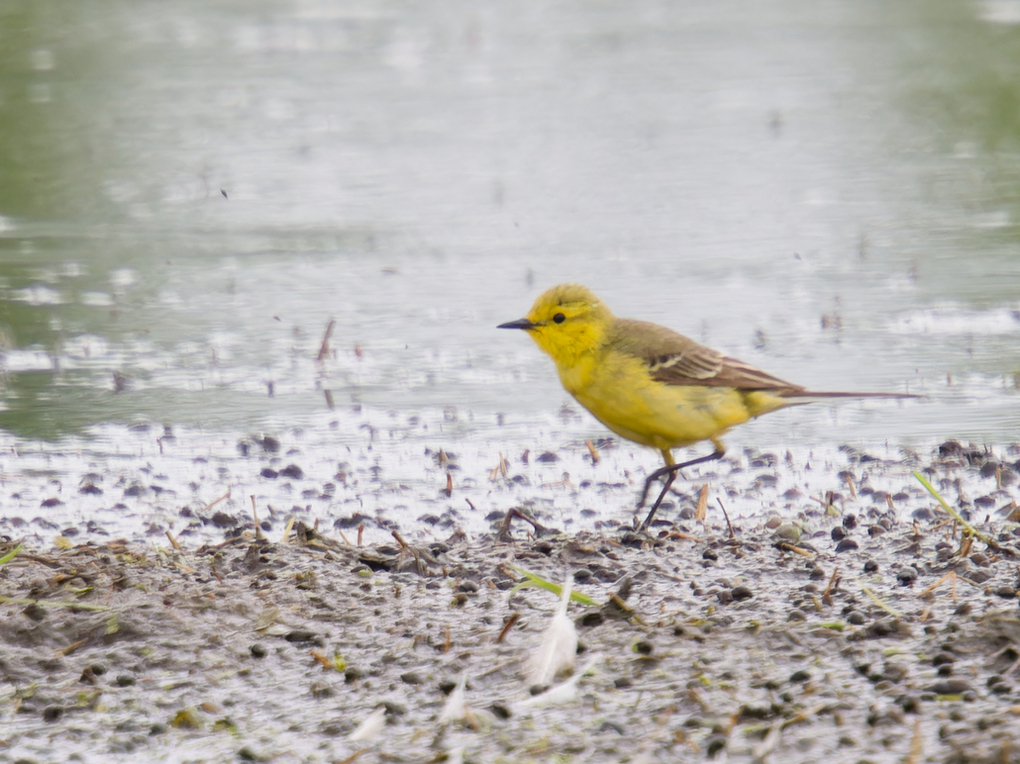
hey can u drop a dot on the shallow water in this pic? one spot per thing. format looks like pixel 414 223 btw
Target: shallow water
pixel 192 192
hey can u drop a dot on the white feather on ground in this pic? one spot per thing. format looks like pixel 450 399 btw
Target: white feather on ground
pixel 559 644
pixel 455 707
pixel 562 693
pixel 371 728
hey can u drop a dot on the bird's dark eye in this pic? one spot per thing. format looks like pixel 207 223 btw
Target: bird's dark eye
pixel 559 318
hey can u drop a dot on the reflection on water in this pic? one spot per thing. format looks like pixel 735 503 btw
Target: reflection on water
pixel 192 192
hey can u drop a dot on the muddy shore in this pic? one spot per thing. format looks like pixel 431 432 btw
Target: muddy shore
pixel 867 625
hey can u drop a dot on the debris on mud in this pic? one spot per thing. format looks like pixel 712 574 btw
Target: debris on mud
pixel 769 637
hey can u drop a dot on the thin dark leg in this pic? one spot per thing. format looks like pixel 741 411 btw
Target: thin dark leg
pixel 670 470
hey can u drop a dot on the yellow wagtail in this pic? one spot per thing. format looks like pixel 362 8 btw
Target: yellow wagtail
pixel 651 385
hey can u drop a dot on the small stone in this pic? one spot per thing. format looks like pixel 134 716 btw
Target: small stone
pixel 847 545
pixel 855 618
pixel 921 513
pixel 906 576
pixel 715 744
pixel 796 615
pixel 741 593
pixel 788 531
pixel 615 726
pixel 411 677
pixel 949 687
pixel 258 650
pixel 52 713
pixel 838 534
pixel 124 680
pixel 293 472
pixel 870 566
pixel 300 635
pixel 911 704
pixel 850 522
pixel 320 690
pixel 710 554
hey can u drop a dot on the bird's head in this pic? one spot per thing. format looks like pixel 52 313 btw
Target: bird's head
pixel 566 321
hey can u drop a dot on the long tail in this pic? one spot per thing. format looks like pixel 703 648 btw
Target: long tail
pixel 798 397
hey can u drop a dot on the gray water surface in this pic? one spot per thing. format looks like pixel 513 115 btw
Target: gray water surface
pixel 192 191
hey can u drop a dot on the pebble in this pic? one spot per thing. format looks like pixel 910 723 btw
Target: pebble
pixel 906 576
pixel 788 531
pixel 847 545
pixel 741 593
pixel 949 687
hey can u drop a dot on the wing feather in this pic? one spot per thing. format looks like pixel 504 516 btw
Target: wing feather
pixel 677 360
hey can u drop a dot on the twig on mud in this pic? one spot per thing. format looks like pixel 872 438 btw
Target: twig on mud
pixel 352 757
pixel 684 536
pixel 827 594
pixel 214 502
pixel 500 469
pixel 785 546
pixel 850 485
pixel 806 714
pixel 255 515
pixel 324 346
pixel 727 516
pixel 287 530
pixel 950 576
pixel 173 541
pixel 880 602
pixel 504 529
pixel 702 509
pixel 514 618
pixel 916 744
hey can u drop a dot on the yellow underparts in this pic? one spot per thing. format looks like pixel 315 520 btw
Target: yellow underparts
pixel 621 394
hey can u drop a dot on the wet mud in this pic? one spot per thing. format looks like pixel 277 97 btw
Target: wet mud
pixel 850 630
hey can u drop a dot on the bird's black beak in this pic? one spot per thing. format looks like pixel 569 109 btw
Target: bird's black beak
pixel 520 323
